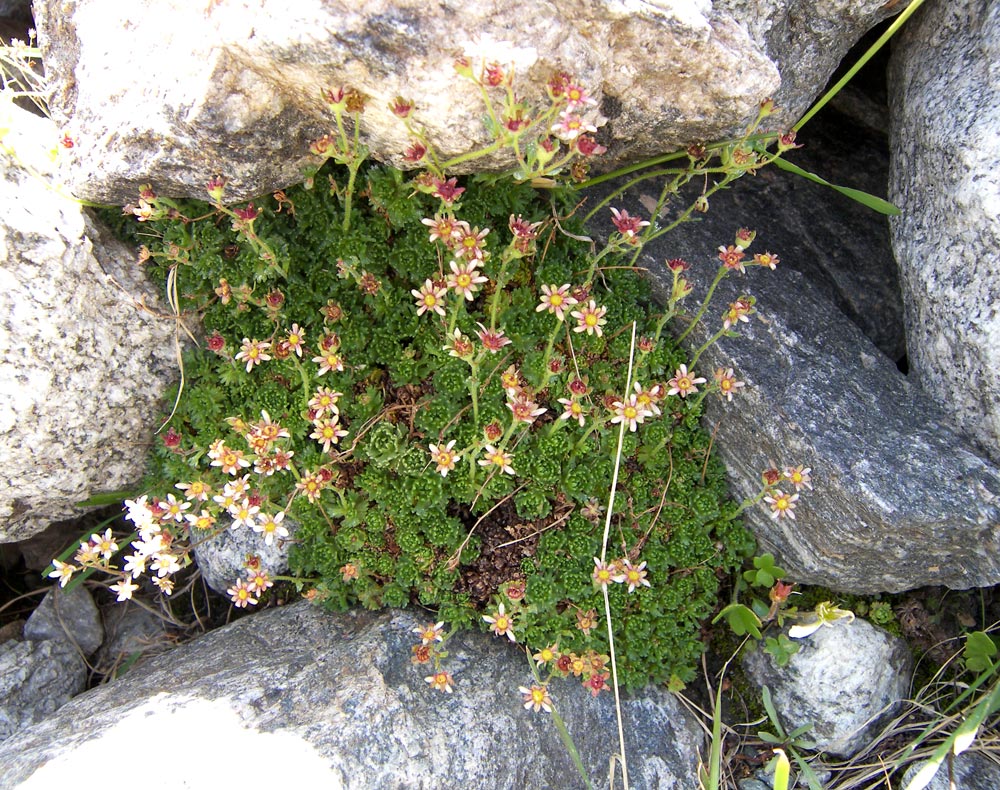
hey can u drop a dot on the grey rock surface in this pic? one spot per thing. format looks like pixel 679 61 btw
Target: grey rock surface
pixel 222 557
pixel 844 678
pixel 195 90
pixel 971 770
pixel 945 102
pixel 36 679
pixel 133 632
pixel 82 365
pixel 841 246
pixel 70 617
pixel 882 517
pixel 337 697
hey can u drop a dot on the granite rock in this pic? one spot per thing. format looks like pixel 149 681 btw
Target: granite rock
pixel 198 89
pixel 945 138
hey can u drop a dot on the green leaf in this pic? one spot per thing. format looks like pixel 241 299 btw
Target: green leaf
pixel 872 202
pixel 979 652
pixel 781 648
pixel 741 619
pixel 107 498
pixel 765 572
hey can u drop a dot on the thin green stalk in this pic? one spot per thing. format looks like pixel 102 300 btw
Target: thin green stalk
pixel 869 53
pixel 704 305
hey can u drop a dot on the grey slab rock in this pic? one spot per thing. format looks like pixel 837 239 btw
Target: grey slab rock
pixel 36 679
pixel 196 89
pixel 900 501
pixel 971 770
pixel 945 111
pixel 335 698
pixel 842 246
pixel 845 678
pixel 82 364
pixel 70 617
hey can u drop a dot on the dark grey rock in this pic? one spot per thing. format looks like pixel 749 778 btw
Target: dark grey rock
pixel 971 770
pixel 945 139
pixel 134 633
pixel 36 679
pixel 845 678
pixel 884 515
pixel 70 617
pixel 335 698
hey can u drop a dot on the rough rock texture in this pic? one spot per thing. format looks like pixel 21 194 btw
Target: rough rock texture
pixel 842 246
pixel 69 617
pixel 842 676
pixel 36 678
pixel 945 100
pixel 883 516
pixel 970 770
pixel 222 557
pixel 82 368
pixel 195 89
pixel 130 629
pixel 338 697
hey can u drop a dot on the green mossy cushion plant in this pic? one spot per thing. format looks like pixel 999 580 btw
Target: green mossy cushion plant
pixel 388 524
pixel 434 390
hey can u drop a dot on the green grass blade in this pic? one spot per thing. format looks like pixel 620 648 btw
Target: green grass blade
pixel 872 202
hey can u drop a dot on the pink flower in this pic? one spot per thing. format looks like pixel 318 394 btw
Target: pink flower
pixel 329 361
pixel 571 126
pixel 445 228
pixel 727 382
pixel 635 575
pixel 605 573
pixel 459 345
pixel 684 383
pixel 328 432
pixel 492 339
pixel 799 476
pixel 782 504
pixel 296 337
pixel 629 412
pixel 441 681
pixel 627 225
pixel 536 698
pixel 732 258
pixel 241 594
pixel 524 409
pixel 556 300
pixel 573 410
pixel 447 191
pixel 471 242
pixel 323 401
pixel 430 297
pixel 443 456
pixel 465 279
pixel 254 352
pixel 497 458
pixel 590 319
pixel 501 623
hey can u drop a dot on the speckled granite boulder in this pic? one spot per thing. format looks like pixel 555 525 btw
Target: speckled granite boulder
pixel 199 88
pixel 83 364
pixel 945 101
